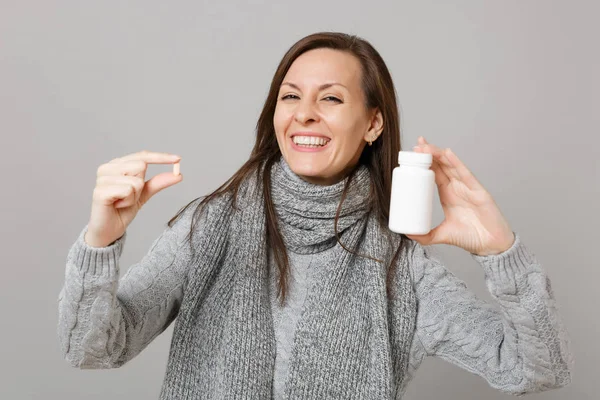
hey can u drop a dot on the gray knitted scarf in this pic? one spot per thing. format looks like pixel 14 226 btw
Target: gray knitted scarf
pixel 348 344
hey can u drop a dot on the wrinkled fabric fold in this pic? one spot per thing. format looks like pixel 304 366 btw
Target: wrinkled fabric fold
pixel 306 211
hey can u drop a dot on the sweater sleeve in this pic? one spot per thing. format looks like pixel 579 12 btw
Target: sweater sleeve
pixel 105 321
pixel 519 345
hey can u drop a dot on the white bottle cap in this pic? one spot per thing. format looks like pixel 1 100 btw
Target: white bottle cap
pixel 414 158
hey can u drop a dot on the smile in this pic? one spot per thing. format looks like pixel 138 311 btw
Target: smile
pixel 309 144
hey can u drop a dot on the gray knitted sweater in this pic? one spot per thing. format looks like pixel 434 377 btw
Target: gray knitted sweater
pixel 521 347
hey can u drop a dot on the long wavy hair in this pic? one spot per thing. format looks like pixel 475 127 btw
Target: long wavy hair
pixel 380 158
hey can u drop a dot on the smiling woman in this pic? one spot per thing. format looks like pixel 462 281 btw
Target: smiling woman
pixel 335 110
pixel 286 281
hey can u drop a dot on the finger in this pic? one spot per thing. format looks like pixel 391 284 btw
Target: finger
pixel 435 236
pixel 109 194
pixel 117 168
pixel 464 174
pixel 446 165
pixel 151 157
pixel 452 166
pixel 105 180
pixel 158 183
pixel 136 182
pixel 432 149
pixel 126 202
pixel 441 176
pixel 442 159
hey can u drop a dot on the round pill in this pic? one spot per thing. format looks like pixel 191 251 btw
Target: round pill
pixel 176 169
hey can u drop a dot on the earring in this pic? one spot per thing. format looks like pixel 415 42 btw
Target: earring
pixel 373 137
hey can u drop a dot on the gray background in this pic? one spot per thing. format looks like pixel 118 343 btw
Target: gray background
pixel 511 86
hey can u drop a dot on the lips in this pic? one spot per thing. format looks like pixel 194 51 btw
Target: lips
pixel 315 134
pixel 311 149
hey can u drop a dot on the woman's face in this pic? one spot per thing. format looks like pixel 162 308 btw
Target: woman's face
pixel 321 97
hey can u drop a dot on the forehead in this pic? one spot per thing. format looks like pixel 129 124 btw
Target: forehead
pixel 325 65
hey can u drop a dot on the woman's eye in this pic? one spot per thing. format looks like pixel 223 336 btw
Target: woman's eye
pixel 328 98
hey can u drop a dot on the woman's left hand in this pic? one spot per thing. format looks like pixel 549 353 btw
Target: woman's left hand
pixel 472 221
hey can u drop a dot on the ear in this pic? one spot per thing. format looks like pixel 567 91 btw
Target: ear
pixel 375 126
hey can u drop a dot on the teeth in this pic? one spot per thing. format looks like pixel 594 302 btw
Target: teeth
pixel 310 140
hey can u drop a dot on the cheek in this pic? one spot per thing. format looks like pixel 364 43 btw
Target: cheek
pixel 346 127
pixel 280 121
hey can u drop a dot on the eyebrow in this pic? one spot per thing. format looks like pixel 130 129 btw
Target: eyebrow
pixel 322 87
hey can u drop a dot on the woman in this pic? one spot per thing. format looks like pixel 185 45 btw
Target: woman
pixel 304 221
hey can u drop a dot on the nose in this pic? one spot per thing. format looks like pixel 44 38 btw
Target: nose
pixel 305 112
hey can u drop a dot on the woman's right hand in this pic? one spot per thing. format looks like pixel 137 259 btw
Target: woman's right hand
pixel 121 191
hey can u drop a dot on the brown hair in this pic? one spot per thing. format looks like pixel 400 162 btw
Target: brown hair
pixel 380 158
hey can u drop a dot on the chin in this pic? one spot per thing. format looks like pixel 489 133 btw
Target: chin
pixel 306 168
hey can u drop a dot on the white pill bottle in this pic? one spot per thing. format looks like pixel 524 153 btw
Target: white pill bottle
pixel 411 199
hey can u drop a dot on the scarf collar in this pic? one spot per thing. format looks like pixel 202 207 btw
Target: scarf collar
pixel 306 211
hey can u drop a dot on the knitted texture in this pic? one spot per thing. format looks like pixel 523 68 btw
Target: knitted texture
pixel 223 343
pixel 350 340
pixel 286 316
